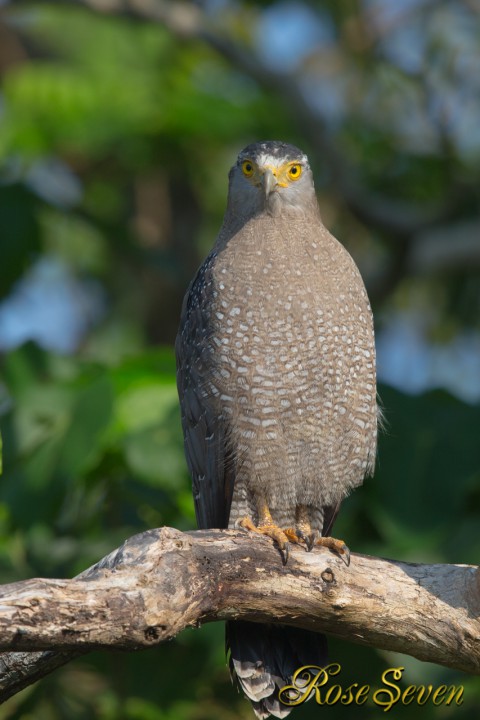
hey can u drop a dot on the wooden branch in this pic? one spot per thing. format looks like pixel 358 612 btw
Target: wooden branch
pixel 18 670
pixel 162 581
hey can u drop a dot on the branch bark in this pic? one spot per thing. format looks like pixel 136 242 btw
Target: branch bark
pixel 162 581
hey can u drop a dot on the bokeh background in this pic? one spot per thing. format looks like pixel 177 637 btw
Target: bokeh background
pixel 119 121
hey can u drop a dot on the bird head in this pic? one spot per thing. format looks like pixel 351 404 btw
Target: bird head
pixel 271 177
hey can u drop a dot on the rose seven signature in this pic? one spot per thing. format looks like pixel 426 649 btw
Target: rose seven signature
pixel 312 680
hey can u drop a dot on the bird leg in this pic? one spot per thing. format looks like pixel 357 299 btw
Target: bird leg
pixel 267 526
pixel 303 527
pixel 311 537
pixel 301 533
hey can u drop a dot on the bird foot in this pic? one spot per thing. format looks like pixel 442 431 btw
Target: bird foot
pixel 282 538
pixel 306 535
pixel 337 546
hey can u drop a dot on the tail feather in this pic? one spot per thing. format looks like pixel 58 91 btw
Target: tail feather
pixel 263 659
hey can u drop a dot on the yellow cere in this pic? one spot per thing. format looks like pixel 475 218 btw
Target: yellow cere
pixel 284 174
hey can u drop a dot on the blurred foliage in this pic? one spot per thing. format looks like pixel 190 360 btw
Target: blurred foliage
pixel 115 142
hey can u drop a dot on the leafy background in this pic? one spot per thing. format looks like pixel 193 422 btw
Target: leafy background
pixel 116 135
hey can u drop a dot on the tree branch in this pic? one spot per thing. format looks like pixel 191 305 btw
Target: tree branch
pixel 162 581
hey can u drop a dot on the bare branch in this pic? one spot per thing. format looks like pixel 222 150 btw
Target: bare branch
pixel 162 581
pixel 18 670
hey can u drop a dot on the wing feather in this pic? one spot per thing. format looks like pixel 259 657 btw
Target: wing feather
pixel 205 429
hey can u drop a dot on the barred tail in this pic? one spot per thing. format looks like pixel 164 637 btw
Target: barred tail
pixel 263 658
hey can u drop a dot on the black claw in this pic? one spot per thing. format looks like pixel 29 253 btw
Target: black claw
pixel 285 553
pixel 300 534
pixel 345 555
pixel 309 540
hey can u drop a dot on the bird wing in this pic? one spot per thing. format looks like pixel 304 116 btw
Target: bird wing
pixel 205 431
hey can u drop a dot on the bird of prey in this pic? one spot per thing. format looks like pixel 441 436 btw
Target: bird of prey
pixel 276 379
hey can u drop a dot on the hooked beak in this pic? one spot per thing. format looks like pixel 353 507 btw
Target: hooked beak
pixel 269 182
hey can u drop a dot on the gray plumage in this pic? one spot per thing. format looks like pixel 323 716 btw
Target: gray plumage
pixel 276 377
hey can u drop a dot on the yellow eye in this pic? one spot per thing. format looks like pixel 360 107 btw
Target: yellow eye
pixel 294 171
pixel 247 168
